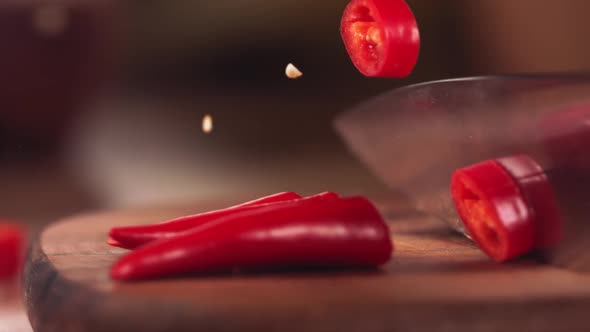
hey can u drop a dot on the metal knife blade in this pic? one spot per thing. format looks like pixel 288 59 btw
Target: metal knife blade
pixel 414 137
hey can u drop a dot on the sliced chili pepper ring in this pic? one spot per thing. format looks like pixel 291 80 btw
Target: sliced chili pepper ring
pixel 348 232
pixel 381 37
pixel 494 210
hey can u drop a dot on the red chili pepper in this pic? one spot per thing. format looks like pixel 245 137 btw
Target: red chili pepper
pixel 115 243
pixel 131 237
pixel 134 236
pixel 507 205
pixel 12 243
pixel 381 37
pixel 305 233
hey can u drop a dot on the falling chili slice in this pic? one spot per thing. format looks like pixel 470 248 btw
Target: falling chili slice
pixel 132 237
pixel 507 205
pixel 381 37
pixel 306 233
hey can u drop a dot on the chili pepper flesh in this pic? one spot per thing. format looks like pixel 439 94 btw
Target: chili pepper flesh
pixel 366 35
pixel 480 220
pixel 381 37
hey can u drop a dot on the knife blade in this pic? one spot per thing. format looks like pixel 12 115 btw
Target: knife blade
pixel 414 137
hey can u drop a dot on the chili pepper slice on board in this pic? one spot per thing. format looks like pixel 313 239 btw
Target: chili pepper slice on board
pixel 12 243
pixel 381 37
pixel 134 236
pixel 347 232
pixel 507 205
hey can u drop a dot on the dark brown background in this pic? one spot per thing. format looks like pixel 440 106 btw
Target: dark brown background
pixel 113 93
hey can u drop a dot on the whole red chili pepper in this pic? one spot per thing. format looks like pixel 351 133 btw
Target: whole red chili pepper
pixel 134 236
pixel 131 237
pixel 331 233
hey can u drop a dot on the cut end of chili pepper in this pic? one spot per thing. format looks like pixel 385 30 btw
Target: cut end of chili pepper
pixel 494 210
pixel 482 224
pixel 366 37
pixel 381 37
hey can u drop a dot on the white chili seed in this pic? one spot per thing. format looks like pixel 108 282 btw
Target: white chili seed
pixel 292 72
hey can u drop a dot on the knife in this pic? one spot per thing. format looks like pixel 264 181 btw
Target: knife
pixel 414 137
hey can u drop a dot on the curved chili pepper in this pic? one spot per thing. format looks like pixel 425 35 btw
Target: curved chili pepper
pixel 131 237
pixel 134 236
pixel 507 205
pixel 331 233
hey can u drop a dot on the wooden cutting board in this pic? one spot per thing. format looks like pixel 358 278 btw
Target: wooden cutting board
pixel 437 281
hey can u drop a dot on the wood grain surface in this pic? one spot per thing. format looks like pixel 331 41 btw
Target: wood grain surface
pixel 437 281
pixel 12 316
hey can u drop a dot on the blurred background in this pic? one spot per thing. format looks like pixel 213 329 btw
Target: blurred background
pixel 101 101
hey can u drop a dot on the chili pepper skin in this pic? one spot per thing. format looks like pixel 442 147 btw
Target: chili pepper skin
pixel 507 205
pixel 540 197
pixel 131 237
pixel 135 236
pixel 12 243
pixel 381 37
pixel 115 243
pixel 345 232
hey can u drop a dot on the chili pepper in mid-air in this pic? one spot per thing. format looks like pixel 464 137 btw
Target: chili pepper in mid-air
pixel 134 236
pixel 507 205
pixel 12 243
pixel 381 37
pixel 346 232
